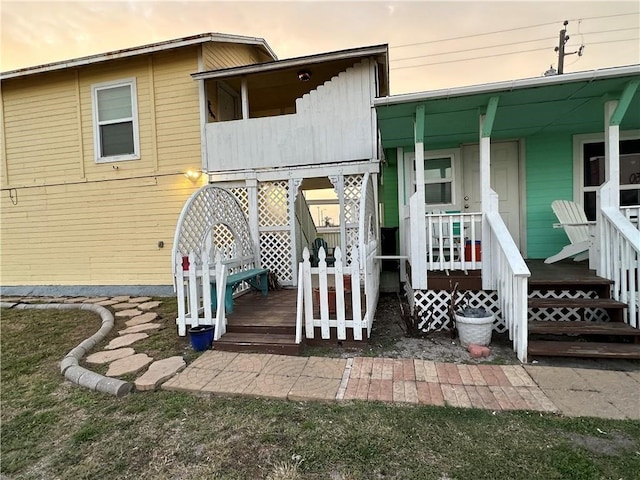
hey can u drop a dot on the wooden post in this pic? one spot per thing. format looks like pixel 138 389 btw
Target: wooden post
pixel 485 204
pixel 254 225
pixel 416 209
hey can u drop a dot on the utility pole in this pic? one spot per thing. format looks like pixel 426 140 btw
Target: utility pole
pixel 560 48
pixel 562 41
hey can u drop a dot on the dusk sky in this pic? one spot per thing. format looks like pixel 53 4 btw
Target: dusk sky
pixel 426 51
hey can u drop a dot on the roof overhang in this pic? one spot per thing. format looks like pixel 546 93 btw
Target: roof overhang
pixel 571 102
pixel 141 50
pixel 380 52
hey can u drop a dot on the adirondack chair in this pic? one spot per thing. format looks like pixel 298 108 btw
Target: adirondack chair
pixel 572 218
pixel 317 243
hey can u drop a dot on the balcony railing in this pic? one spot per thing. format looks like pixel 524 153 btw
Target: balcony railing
pixel 454 241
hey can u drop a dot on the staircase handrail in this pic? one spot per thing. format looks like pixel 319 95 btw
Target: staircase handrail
pixel 510 278
pixel 620 260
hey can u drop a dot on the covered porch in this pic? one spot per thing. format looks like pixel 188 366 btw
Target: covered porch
pixel 461 210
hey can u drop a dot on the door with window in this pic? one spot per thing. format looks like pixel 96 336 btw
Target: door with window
pixel 503 179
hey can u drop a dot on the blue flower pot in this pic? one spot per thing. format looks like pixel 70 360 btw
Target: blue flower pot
pixel 201 337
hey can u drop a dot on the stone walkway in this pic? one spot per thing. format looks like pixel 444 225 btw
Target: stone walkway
pixel 568 391
pixel 491 387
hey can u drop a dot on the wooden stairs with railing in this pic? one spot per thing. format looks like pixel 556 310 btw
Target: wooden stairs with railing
pixel 262 324
pixel 589 324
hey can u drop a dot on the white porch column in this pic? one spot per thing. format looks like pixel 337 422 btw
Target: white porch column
pixel 608 195
pixel 402 211
pixel 244 92
pixel 417 202
pixel 611 188
pixel 294 186
pixel 488 198
pixel 254 226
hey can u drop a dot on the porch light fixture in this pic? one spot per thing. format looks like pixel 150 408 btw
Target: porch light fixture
pixel 304 75
pixel 193 175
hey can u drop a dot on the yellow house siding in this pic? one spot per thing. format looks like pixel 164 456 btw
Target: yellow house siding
pixel 177 111
pixel 102 229
pixel 78 222
pixel 103 233
pixel 222 55
pixel 40 128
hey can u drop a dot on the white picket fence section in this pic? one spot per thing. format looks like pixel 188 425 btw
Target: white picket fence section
pixel 193 291
pixel 322 282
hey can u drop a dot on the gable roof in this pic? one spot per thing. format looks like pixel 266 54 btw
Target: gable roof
pixel 141 50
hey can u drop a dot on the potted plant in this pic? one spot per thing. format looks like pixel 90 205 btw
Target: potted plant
pixel 201 337
pixel 474 325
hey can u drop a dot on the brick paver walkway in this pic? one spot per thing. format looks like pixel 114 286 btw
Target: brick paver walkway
pixel 494 387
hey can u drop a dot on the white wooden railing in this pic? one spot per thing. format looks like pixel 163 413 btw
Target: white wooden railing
pixel 509 277
pixel 620 260
pixel 452 240
pixel 632 213
pixel 324 287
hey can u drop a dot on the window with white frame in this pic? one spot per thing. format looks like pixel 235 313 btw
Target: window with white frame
pixel 438 179
pixel 594 173
pixel 115 121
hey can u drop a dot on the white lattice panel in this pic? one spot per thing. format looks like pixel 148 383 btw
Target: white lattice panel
pixel 273 203
pixel 275 254
pixel 224 242
pixel 209 207
pixel 352 195
pixel 243 198
pixel 432 307
pixel 566 314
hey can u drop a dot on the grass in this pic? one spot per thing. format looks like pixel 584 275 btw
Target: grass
pixel 52 429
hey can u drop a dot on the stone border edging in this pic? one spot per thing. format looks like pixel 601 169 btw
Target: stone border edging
pixel 69 366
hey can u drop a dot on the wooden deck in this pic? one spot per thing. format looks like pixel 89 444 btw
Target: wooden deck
pixel 565 271
pixel 268 324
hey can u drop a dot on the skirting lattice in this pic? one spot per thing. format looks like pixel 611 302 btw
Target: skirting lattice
pixel 433 305
pixel 275 254
pixel 566 314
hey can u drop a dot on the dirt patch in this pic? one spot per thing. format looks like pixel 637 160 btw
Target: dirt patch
pixel 613 443
pixel 389 339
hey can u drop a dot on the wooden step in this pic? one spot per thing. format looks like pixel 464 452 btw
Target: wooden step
pixel 607 303
pixel 582 328
pixel 258 343
pixel 583 349
pixel 283 327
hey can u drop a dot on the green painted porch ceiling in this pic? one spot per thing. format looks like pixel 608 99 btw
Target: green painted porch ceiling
pixel 576 107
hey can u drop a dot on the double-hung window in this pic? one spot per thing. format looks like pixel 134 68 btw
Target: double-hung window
pixel 115 121
pixel 438 179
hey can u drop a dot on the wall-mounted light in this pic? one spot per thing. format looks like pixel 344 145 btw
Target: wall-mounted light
pixel 193 175
pixel 304 75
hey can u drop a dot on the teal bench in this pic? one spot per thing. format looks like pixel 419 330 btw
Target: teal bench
pixel 255 277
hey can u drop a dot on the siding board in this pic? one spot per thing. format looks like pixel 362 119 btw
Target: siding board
pixel 549 166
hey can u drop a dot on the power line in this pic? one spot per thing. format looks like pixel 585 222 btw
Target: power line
pixel 505 44
pixel 472 49
pixel 504 54
pixel 509 30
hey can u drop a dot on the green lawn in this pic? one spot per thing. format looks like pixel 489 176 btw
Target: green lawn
pixel 52 429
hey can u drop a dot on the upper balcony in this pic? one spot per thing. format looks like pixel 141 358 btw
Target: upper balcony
pixel 303 111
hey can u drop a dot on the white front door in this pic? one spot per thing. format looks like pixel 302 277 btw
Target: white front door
pixel 504 181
